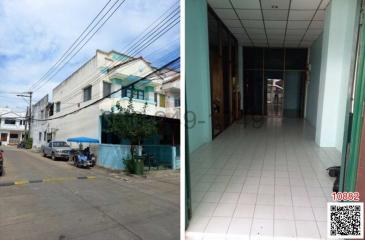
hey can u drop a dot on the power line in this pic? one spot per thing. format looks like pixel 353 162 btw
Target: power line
pixel 156 34
pixel 110 94
pixel 167 58
pixel 72 45
pixel 70 58
pixel 99 76
pixel 146 38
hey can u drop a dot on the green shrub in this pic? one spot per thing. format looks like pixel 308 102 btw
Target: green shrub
pixel 133 165
pixel 29 143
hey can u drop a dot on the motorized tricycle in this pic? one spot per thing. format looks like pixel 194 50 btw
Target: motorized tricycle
pixel 82 157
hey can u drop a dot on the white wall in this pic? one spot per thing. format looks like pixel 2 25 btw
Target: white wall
pixel 39 126
pixel 338 49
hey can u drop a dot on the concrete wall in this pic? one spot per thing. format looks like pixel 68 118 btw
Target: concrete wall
pixel 314 79
pixel 338 49
pixel 111 156
pixel 197 74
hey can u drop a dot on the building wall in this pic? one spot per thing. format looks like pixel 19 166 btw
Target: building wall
pixel 197 78
pixel 39 128
pixel 338 51
pixel 70 94
pixel 313 86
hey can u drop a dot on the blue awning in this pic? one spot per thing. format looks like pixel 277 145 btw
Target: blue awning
pixel 83 140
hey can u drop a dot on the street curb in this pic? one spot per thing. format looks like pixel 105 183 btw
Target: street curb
pixel 45 180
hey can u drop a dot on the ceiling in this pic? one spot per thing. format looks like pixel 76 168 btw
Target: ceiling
pixel 272 23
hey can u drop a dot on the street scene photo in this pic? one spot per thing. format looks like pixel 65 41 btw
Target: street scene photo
pixel 90 119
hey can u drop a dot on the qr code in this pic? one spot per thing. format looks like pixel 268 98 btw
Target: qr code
pixel 345 220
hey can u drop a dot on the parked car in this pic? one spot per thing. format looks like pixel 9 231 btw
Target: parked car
pixel 56 149
pixel 1 162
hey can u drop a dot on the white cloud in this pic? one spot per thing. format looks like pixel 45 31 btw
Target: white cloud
pixel 35 33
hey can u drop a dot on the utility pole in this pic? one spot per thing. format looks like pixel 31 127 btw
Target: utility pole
pixel 28 95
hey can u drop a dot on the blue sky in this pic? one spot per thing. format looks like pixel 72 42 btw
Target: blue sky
pixel 35 33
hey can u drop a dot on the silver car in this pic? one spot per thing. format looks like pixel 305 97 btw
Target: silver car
pixel 56 149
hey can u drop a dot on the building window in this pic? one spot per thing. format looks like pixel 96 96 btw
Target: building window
pixel 14 135
pixel 40 136
pixel 50 109
pixel 177 102
pixel 42 114
pixel 87 93
pixel 58 106
pixel 107 89
pixel 137 94
pixel 126 93
pixel 10 121
pixel 4 137
pixel 45 136
pixel 141 95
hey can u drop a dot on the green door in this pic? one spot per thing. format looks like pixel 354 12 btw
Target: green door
pixel 354 121
pixel 188 210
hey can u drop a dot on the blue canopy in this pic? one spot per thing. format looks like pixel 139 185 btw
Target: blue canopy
pixel 83 140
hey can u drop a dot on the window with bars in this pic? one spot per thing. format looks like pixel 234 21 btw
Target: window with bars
pixel 107 89
pixel 87 93
pixel 10 121
pixel 58 106
pixel 135 93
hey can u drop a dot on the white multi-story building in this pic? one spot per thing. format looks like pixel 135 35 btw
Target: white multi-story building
pixel 171 91
pixel 12 126
pixel 75 112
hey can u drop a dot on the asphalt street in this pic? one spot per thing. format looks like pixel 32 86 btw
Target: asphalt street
pixel 73 203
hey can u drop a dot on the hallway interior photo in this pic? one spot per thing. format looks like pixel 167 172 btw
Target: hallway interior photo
pixel 261 183
pixel 270 85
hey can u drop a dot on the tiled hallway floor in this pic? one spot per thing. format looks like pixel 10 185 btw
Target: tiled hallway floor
pixel 266 183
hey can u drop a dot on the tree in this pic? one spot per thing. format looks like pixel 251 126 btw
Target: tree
pixel 131 125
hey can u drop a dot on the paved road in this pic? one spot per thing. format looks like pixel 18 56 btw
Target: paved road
pixel 107 207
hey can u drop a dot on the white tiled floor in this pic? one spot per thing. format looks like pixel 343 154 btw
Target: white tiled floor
pixel 266 183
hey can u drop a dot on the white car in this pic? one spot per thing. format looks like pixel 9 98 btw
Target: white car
pixel 56 149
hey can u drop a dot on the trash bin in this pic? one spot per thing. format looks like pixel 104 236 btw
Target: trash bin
pixel 139 166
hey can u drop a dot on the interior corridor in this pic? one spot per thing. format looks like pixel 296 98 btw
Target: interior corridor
pixel 261 183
